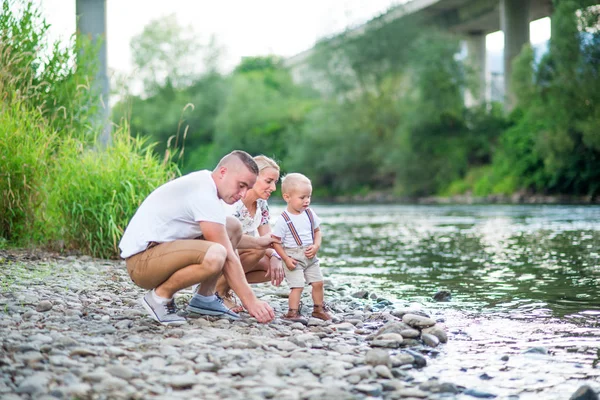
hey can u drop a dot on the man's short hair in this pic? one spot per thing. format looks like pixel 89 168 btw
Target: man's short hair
pixel 244 157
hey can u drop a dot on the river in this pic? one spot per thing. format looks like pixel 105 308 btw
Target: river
pixel 521 278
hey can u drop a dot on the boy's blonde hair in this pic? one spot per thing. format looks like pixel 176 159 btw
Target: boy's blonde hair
pixel 264 162
pixel 290 181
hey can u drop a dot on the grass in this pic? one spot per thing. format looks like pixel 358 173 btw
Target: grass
pixel 57 188
pixel 95 193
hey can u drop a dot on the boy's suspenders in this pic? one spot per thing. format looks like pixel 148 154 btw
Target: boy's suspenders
pixel 312 223
pixel 293 230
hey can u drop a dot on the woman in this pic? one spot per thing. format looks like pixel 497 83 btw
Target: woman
pixel 253 213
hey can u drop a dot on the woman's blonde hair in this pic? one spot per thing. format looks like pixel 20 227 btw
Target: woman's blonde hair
pixel 264 162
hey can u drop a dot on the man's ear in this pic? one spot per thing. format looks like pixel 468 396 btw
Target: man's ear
pixel 222 171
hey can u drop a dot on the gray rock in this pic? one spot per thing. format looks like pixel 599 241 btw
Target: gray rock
pixel 438 330
pixel 82 352
pixel 410 333
pixel 430 340
pixel 378 357
pixel 417 321
pixel 420 361
pixel 402 359
pixel 369 389
pixel 412 393
pixel 121 371
pixel 536 350
pixel 43 306
pixel 34 384
pixel 361 294
pixel 343 327
pixel 390 340
pixel 383 371
pixel 442 295
pixel 479 394
pixel 584 392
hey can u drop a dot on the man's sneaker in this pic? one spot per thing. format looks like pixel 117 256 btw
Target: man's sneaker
pixel 166 314
pixel 213 307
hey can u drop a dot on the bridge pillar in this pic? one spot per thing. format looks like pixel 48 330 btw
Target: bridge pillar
pixel 476 53
pixel 514 22
pixel 91 21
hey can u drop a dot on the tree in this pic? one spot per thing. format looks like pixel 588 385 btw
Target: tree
pixel 167 54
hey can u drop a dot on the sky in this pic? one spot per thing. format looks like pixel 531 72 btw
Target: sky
pixel 241 27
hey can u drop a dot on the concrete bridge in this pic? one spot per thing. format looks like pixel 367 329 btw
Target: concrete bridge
pixel 473 20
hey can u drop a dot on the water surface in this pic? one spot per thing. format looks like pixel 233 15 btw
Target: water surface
pixel 520 277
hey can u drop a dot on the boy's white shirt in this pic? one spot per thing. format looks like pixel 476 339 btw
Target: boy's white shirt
pixel 173 211
pixel 302 225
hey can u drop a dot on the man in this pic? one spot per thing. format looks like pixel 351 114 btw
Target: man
pixel 180 236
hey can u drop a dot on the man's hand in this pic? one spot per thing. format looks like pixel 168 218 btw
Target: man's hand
pixel 275 271
pixel 267 241
pixel 260 310
pixel 311 251
pixel 291 263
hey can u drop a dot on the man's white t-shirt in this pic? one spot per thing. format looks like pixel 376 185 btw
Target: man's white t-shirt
pixel 173 211
pixel 302 225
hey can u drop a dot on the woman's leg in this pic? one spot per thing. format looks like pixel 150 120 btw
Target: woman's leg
pixel 252 261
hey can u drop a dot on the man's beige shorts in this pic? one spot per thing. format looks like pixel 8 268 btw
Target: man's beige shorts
pixel 307 269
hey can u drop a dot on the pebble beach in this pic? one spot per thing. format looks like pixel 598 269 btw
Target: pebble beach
pixel 72 328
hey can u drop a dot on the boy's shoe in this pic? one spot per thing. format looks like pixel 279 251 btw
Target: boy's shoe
pixel 166 314
pixel 321 312
pixel 294 314
pixel 214 307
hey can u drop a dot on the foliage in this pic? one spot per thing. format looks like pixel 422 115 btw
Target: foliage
pixel 554 146
pixel 390 113
pixel 26 147
pixel 262 109
pixel 94 194
pixel 165 54
pixel 333 148
pixel 57 187
pixel 44 76
pixel 401 120
pixel 177 119
pixel 180 97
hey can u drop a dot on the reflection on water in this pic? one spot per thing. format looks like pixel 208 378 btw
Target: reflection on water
pixel 533 260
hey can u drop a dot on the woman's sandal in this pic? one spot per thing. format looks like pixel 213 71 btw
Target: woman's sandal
pixel 231 302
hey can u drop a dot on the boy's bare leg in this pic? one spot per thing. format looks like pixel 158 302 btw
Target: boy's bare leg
pixel 317 293
pixel 294 298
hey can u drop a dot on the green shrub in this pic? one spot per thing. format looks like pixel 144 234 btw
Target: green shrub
pixel 94 194
pixel 26 145
pixel 46 77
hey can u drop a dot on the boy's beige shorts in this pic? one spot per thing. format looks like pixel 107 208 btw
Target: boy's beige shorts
pixel 307 269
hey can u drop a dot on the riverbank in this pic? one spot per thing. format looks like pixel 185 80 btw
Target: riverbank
pixel 72 328
pixel 379 197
